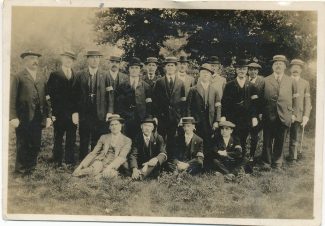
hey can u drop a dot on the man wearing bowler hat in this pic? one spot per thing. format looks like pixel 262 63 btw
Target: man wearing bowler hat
pixel 151 75
pixel 258 81
pixel 303 108
pixel 182 74
pixel 217 81
pixel 169 101
pixel 280 104
pixel 133 99
pixel 95 102
pixel 148 151
pixel 63 101
pixel 239 103
pixel 29 111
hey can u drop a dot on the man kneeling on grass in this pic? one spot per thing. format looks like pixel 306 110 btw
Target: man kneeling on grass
pixel 109 154
pixel 227 152
pixel 148 151
pixel 188 149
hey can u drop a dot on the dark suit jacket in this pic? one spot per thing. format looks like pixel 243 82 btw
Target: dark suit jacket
pixel 149 81
pixel 125 99
pixel 169 107
pixel 139 154
pixel 259 84
pixel 234 150
pixel 25 94
pixel 279 99
pixel 195 152
pixel 104 94
pixel 237 109
pixel 195 104
pixel 63 98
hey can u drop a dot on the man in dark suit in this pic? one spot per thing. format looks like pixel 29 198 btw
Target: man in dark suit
pixel 151 76
pixel 258 81
pixel 133 99
pixel 188 150
pixel 63 102
pixel 29 112
pixel 95 102
pixel 280 93
pixel 148 152
pixel 303 108
pixel 204 104
pixel 182 74
pixel 239 103
pixel 169 101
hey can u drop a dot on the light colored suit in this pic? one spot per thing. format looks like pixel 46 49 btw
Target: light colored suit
pixel 188 82
pixel 219 83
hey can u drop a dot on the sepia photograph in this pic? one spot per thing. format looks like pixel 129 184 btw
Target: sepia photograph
pixel 172 112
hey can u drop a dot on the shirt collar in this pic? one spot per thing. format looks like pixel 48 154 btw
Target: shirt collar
pixel 188 136
pixel 92 71
pixel 205 85
pixel 146 137
pixel 226 140
pixel 113 74
pixel 296 78
pixel 171 76
pixel 241 81
pixel 32 73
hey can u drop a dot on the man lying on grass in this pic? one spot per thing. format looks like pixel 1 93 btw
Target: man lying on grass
pixel 109 154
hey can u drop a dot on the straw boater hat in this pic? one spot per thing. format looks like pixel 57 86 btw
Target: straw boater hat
pixel 30 53
pixel 297 62
pixel 115 117
pixel 69 54
pixel 187 120
pixel 280 58
pixel 152 60
pixel 93 53
pixel 171 59
pixel 227 124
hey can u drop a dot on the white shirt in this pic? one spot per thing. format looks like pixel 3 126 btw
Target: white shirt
pixel 278 77
pixel 226 140
pixel 67 71
pixel 296 78
pixel 113 74
pixel 188 138
pixel 134 79
pixel 170 77
pixel 205 85
pixel 181 76
pixel 32 73
pixel 151 76
pixel 241 82
pixel 115 138
pixel 92 71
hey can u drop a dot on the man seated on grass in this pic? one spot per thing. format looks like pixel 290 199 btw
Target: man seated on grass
pixel 188 149
pixel 227 153
pixel 148 152
pixel 109 154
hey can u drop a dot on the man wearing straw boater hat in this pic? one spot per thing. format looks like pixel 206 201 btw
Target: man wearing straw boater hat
pixel 63 100
pixel 133 99
pixel 304 106
pixel 29 111
pixel 280 104
pixel 182 74
pixel 95 102
pixel 151 76
pixel 148 151
pixel 110 153
pixel 217 81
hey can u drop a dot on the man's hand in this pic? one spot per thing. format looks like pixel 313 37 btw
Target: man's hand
pixel 75 118
pixel 136 174
pixel 222 119
pixel 108 115
pixel 293 118
pixel 15 122
pixel 215 125
pixel 254 122
pixel 53 118
pixel 110 173
pixel 222 153
pixel 305 119
pixel 48 122
pixel 153 162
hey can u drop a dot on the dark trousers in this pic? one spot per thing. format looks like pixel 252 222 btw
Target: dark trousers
pixel 295 139
pixel 274 135
pixel 194 168
pixel 132 124
pixel 242 133
pixel 226 166
pixel 204 130
pixel 28 144
pixel 90 131
pixel 61 127
pixel 168 131
pixel 254 132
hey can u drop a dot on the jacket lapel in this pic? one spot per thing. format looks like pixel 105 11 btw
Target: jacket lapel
pixel 229 143
pixel 200 90
pixel 165 85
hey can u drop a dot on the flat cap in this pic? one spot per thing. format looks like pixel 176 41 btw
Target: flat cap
pixel 254 65
pixel 297 62
pixel 280 58
pixel 30 53
pixel 227 124
pixel 70 54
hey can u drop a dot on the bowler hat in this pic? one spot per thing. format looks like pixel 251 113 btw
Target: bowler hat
pixel 149 119
pixel 213 60
pixel 279 58
pixel 183 59
pixel 93 53
pixel 151 60
pixel 115 117
pixel 188 120
pixel 227 124
pixel 297 62
pixel 69 54
pixel 29 53
pixel 241 63
pixel 171 59
pixel 204 67
pixel 135 62
pixel 115 58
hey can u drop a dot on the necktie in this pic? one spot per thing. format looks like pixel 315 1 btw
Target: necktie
pixel 133 85
pixel 170 83
pixel 147 141
pixel 91 83
pixel 68 73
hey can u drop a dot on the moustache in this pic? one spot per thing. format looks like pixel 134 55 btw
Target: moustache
pixel 35 64
pixel 295 72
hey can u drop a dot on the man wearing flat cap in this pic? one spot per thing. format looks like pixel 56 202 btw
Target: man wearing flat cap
pixel 148 151
pixel 303 108
pixel 182 74
pixel 169 101
pixel 63 101
pixel 239 103
pixel 29 111
pixel 133 99
pixel 217 81
pixel 95 102
pixel 151 76
pixel 188 154
pixel 204 104
pixel 280 104
pixel 258 81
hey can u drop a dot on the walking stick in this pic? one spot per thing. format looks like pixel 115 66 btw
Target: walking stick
pixel 302 139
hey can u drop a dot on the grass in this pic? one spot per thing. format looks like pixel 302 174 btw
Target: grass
pixel 285 194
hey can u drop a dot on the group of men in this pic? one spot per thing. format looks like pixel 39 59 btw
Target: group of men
pixel 139 123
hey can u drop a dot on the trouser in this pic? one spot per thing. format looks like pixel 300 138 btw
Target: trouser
pixel 194 168
pixel 254 132
pixel 28 144
pixel 295 139
pixel 61 127
pixel 90 131
pixel 132 124
pixel 168 131
pixel 242 133
pixel 274 134
pixel 204 130
pixel 226 166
